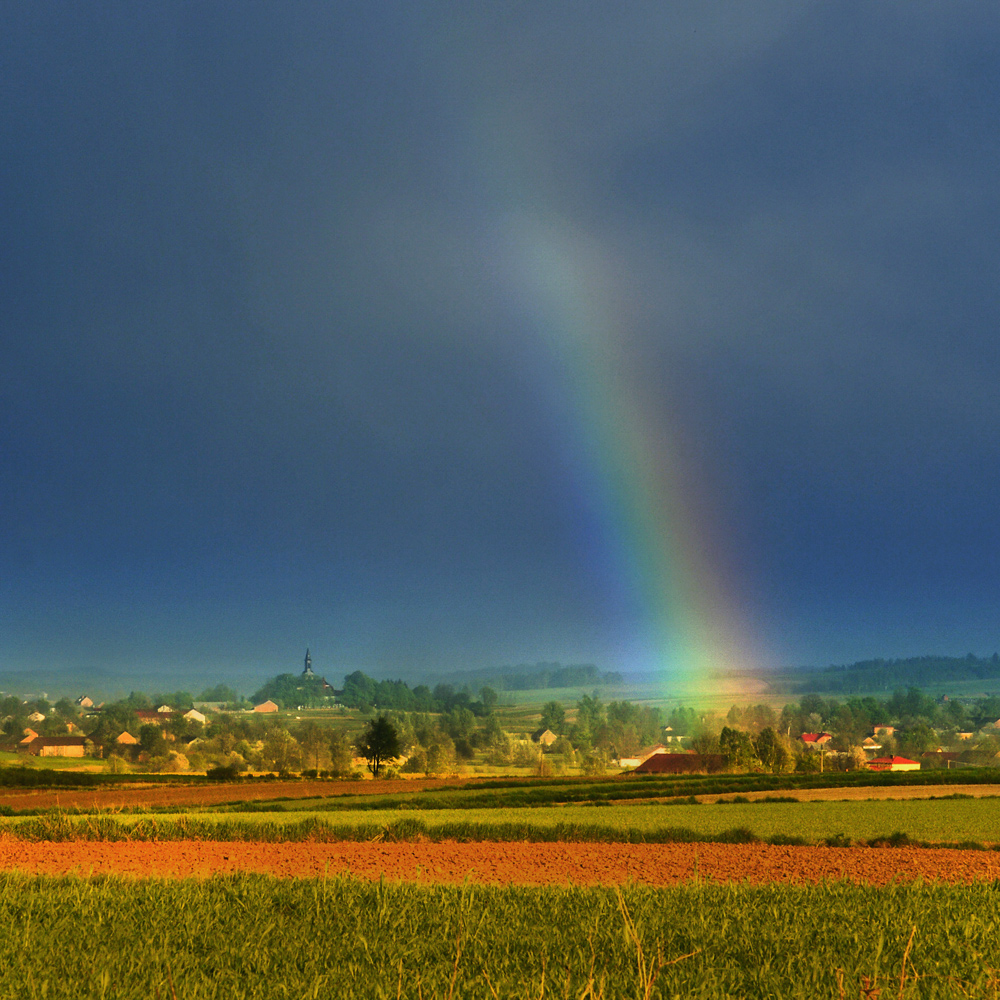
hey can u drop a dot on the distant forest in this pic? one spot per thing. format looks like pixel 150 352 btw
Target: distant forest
pixel 364 692
pixel 919 671
pixel 528 677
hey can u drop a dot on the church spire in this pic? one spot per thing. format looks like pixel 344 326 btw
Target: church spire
pixel 308 670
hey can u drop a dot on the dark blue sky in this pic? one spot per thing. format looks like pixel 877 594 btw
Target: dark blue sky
pixel 277 367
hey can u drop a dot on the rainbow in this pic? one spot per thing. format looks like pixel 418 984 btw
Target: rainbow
pixel 646 501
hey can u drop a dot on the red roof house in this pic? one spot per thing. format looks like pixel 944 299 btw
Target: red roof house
pixel 681 763
pixel 813 740
pixel 893 764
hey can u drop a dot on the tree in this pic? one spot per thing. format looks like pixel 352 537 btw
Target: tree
pixel 341 755
pixel 151 739
pixel 221 692
pixel 314 740
pixel 771 750
pixel 280 752
pixel 489 698
pixel 553 716
pixel 66 709
pixel 379 743
pixel 737 748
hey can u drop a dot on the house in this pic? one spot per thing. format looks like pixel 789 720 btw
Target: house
pixel 644 755
pixel 965 736
pixel 84 702
pixel 266 706
pixel 36 717
pixel 870 744
pixel 544 736
pixel 158 718
pixel 165 708
pixel 195 716
pixel 127 739
pixel 884 731
pixel 683 762
pixel 893 764
pixel 57 746
pixel 29 735
pixel 815 741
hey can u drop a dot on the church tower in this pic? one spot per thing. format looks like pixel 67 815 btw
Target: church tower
pixel 308 670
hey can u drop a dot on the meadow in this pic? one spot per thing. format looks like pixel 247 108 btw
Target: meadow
pixel 252 936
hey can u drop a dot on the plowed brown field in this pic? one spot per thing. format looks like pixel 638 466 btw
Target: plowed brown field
pixel 207 795
pixel 520 863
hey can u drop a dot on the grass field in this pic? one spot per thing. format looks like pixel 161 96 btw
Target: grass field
pixel 258 937
pixel 925 820
pixel 936 820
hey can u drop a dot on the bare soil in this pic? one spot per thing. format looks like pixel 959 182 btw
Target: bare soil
pixel 139 796
pixel 506 863
pixel 879 792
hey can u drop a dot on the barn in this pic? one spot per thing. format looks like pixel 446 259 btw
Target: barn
pixel 681 763
pixel 57 746
pixel 893 764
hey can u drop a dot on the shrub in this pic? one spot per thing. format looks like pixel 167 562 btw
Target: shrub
pixel 225 772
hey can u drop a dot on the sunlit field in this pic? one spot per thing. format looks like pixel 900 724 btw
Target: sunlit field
pixel 252 936
pixel 931 821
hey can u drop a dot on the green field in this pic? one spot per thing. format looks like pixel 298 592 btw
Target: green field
pixel 925 820
pixel 258 937
pixel 936 820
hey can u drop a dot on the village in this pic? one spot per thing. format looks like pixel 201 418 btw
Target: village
pixel 310 727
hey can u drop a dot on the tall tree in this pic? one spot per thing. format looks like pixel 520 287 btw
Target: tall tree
pixel 553 716
pixel 379 743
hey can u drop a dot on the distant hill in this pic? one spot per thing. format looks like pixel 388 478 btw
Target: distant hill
pixel 532 676
pixel 887 675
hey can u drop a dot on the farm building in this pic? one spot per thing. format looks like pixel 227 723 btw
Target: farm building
pixel 544 736
pixel 266 706
pixel 681 763
pixel 644 755
pixel 158 718
pixel 195 716
pixel 57 746
pixel 29 735
pixel 814 741
pixel 893 764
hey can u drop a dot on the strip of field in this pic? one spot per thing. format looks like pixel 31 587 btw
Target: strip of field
pixel 941 821
pixel 251 936
pixel 196 792
pixel 505 863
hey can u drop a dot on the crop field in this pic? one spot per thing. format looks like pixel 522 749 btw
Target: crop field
pixel 932 821
pixel 498 890
pixel 253 936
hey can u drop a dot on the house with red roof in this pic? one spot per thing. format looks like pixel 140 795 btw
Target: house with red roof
pixel 684 762
pixel 814 741
pixel 893 764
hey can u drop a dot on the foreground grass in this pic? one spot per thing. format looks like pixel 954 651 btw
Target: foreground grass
pixel 255 936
